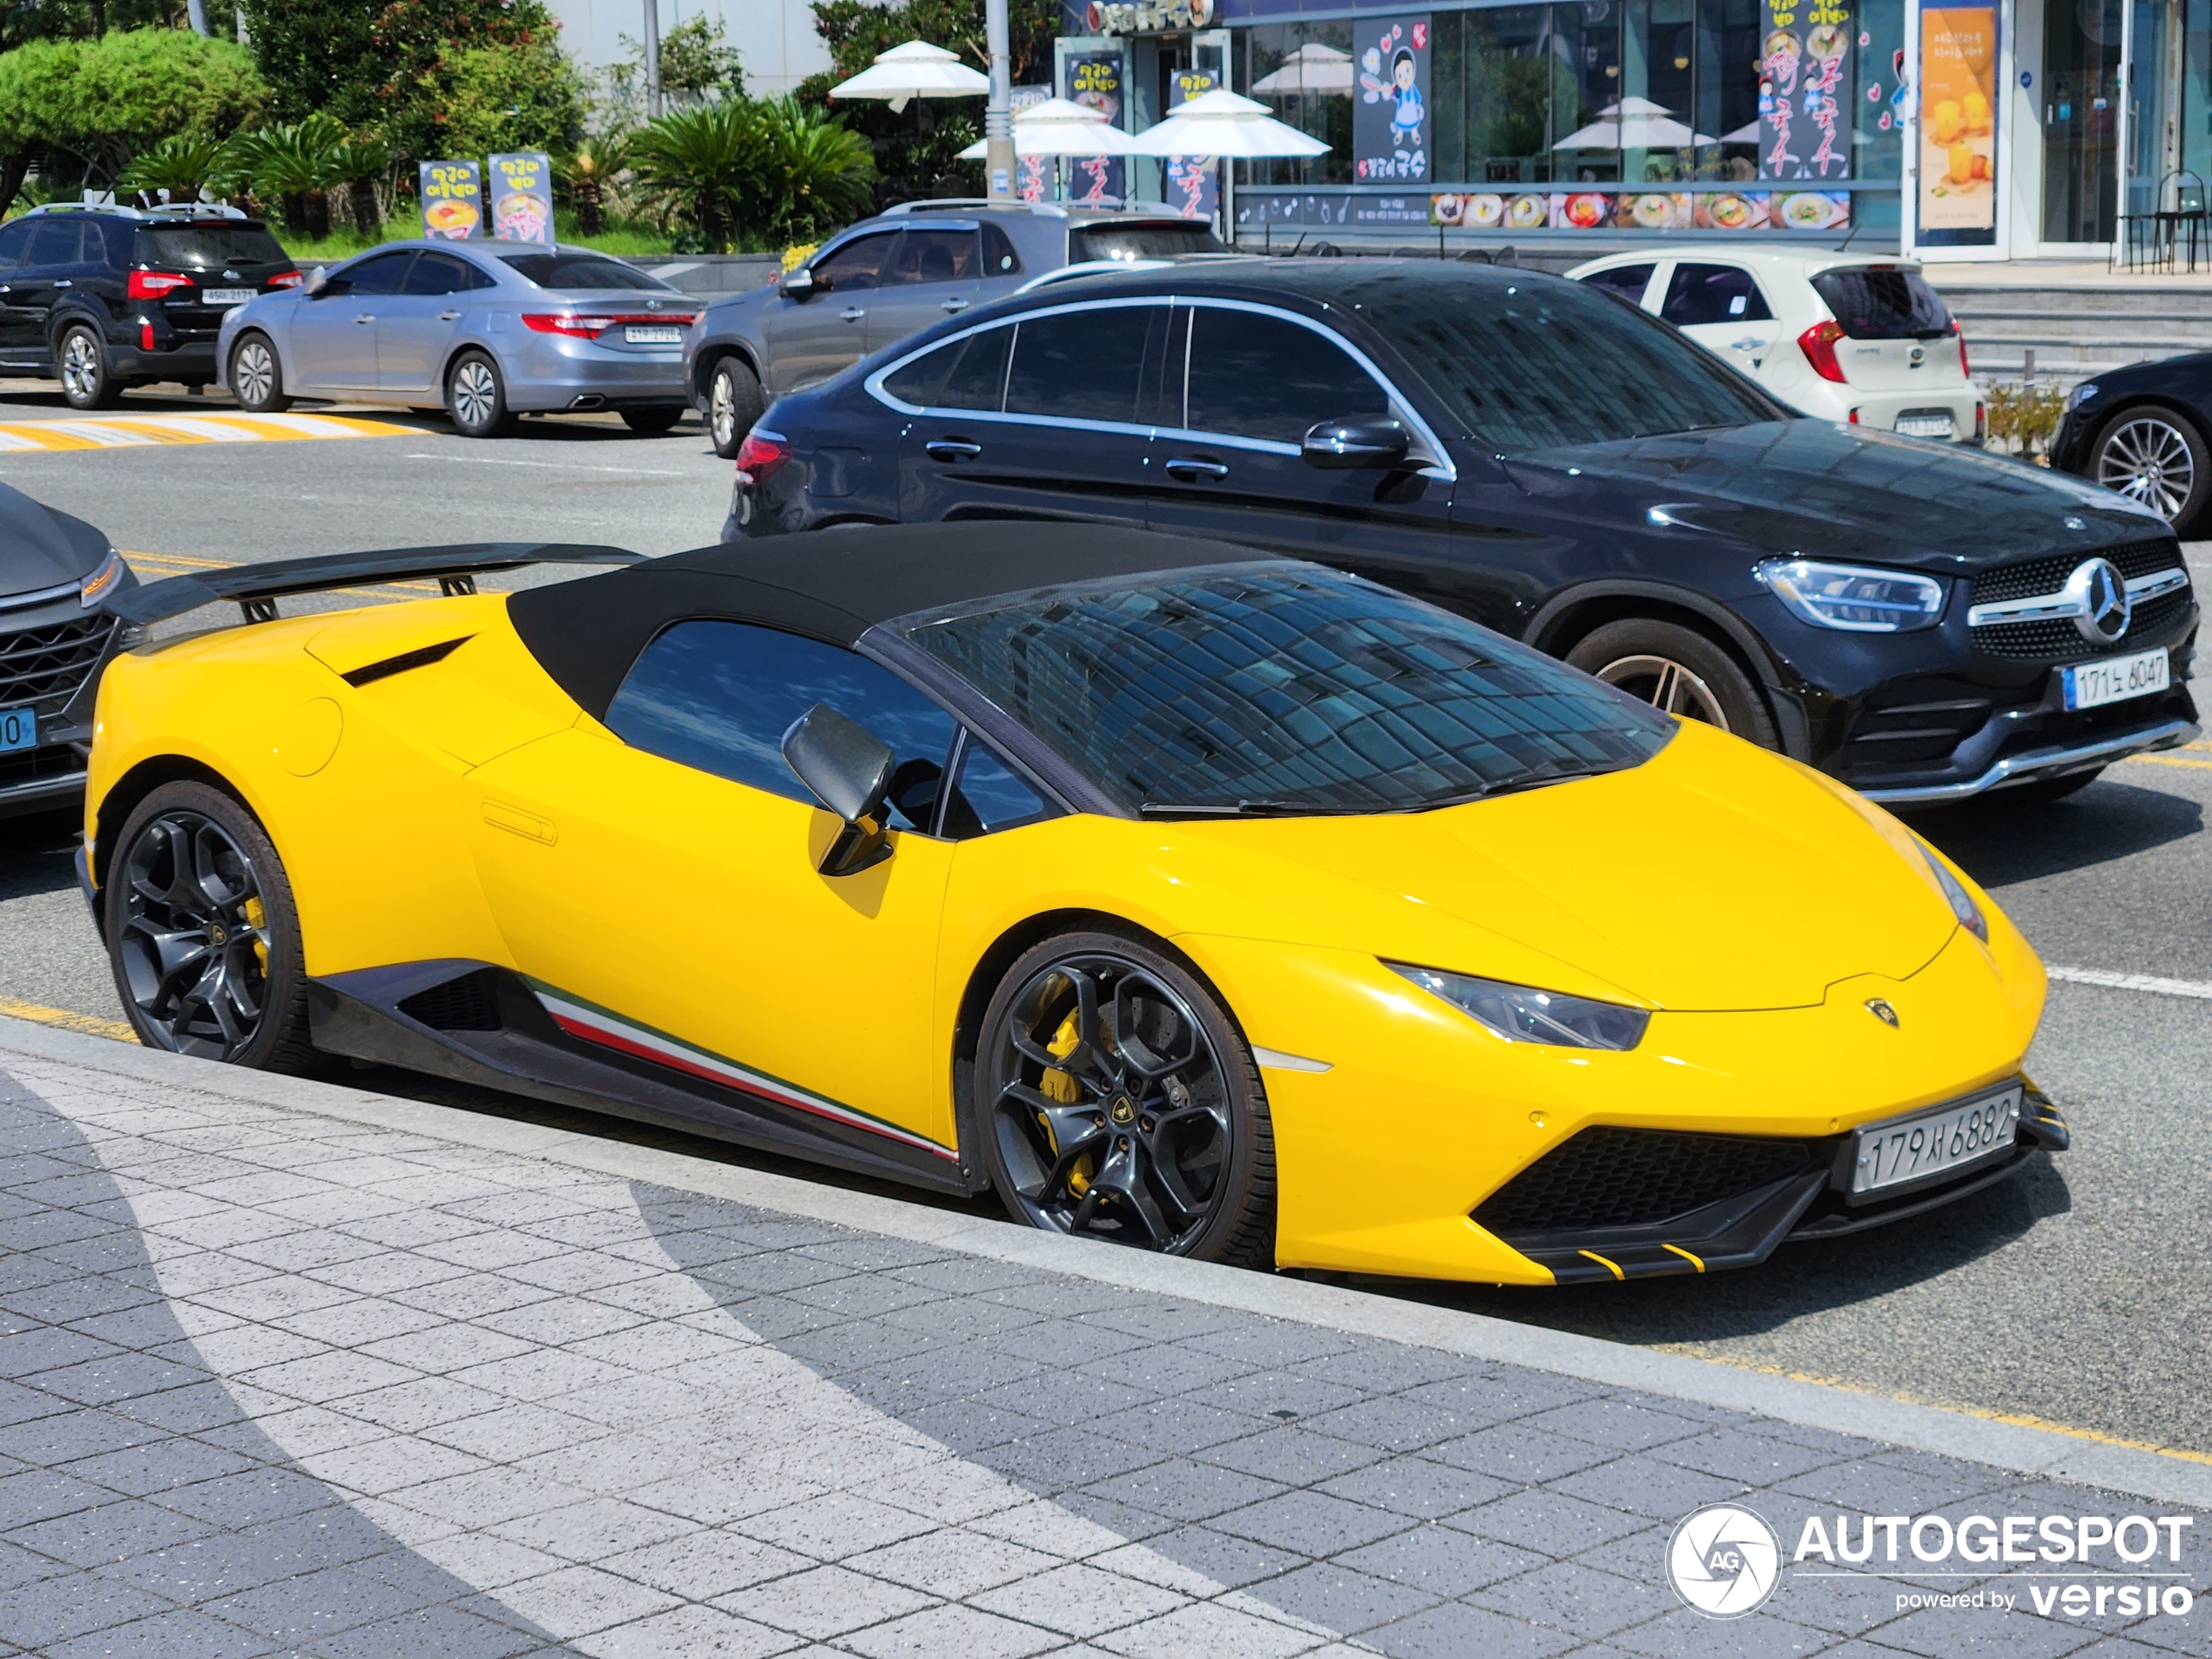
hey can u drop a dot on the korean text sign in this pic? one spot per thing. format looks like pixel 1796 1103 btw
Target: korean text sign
pixel 1390 138
pixel 452 200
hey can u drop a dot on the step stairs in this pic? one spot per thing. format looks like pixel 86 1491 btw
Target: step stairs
pixel 2076 328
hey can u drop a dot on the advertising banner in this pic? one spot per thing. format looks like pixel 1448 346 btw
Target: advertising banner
pixel 1033 175
pixel 1095 78
pixel 452 200
pixel 522 198
pixel 1645 210
pixel 1193 183
pixel 1389 129
pixel 1958 191
pixel 1806 89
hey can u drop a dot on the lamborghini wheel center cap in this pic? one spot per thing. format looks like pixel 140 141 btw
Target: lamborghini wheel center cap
pixel 1123 1111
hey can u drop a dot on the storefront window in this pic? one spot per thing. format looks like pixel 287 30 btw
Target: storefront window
pixel 1303 73
pixel 1505 109
pixel 1877 133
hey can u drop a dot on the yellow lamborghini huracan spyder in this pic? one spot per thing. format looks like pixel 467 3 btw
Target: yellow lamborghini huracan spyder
pixel 1197 898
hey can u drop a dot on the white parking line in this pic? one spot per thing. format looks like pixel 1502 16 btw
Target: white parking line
pixel 2149 983
pixel 557 466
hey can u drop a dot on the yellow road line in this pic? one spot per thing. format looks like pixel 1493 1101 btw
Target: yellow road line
pixel 142 431
pixel 2166 760
pixel 91 1024
pixel 159 563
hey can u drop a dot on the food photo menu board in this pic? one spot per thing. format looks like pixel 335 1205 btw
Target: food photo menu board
pixel 1643 210
pixel 1958 191
pixel 1806 89
pixel 452 200
pixel 522 198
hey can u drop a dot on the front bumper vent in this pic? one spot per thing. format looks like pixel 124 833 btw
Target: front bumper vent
pixel 1637 1178
pixel 48 664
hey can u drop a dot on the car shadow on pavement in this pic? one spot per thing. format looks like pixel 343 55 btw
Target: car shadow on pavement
pixel 37 853
pixel 1998 841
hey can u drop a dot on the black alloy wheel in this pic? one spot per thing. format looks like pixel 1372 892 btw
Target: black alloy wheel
pixel 257 378
pixel 1116 1101
pixel 734 402
pixel 650 424
pixel 2155 458
pixel 202 934
pixel 81 361
pixel 476 397
pixel 1678 671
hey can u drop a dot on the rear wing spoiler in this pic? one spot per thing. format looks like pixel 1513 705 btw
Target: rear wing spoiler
pixel 256 588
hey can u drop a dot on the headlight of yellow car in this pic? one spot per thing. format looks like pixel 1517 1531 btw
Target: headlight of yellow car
pixel 1523 1014
pixel 1962 902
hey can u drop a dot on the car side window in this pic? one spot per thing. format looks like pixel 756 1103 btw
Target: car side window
pixel 999 257
pixel 935 256
pixel 1702 293
pixel 14 238
pixel 967 374
pixel 1627 281
pixel 718 697
pixel 436 273
pixel 987 797
pixel 857 265
pixel 60 242
pixel 1084 365
pixel 381 274
pixel 1253 375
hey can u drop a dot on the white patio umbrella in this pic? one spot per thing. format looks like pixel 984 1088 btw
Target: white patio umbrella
pixel 1749 132
pixel 1632 123
pixel 915 69
pixel 1059 127
pixel 1221 124
pixel 1311 68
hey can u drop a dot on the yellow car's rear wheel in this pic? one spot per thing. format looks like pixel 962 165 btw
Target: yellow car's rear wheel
pixel 202 934
pixel 1116 1100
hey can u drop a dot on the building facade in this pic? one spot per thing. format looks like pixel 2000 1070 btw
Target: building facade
pixel 1954 129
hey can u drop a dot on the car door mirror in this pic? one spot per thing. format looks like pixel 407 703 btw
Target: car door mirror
pixel 331 288
pixel 1347 444
pixel 799 283
pixel 849 769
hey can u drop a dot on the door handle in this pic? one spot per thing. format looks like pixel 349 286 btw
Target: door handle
pixel 952 449
pixel 1189 471
pixel 955 305
pixel 64 282
pixel 366 317
pixel 448 316
pixel 852 313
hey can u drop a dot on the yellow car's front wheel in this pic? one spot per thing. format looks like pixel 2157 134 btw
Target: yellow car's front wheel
pixel 1118 1101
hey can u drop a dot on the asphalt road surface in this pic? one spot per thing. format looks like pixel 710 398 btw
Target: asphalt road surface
pixel 2079 1295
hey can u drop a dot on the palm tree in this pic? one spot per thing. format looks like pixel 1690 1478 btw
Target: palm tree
pixel 697 160
pixel 813 173
pixel 296 164
pixel 359 164
pixel 587 171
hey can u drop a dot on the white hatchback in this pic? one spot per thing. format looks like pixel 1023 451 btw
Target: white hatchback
pixel 1837 335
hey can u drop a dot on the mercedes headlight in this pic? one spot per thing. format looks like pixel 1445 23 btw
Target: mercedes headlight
pixel 1962 902
pixel 1523 1014
pixel 1856 600
pixel 2081 394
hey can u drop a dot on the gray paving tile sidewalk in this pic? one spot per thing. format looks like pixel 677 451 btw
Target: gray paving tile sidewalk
pixel 274 1382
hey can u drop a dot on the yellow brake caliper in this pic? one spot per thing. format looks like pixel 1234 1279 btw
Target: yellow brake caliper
pixel 257 919
pixel 1059 1085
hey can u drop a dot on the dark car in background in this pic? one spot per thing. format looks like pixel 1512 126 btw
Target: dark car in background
pixel 885 278
pixel 1921 619
pixel 105 297
pixel 2146 431
pixel 57 576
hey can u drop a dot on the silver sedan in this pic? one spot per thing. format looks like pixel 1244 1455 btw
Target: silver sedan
pixel 482 330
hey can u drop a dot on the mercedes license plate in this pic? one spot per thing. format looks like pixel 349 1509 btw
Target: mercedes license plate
pixel 1926 425
pixel 2115 679
pixel 18 730
pixel 649 336
pixel 225 296
pixel 1937 1143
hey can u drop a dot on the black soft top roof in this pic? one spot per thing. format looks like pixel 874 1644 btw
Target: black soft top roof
pixel 832 586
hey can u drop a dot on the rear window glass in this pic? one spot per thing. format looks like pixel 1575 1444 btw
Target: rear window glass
pixel 969 373
pixel 582 271
pixel 1159 240
pixel 1270 688
pixel 208 246
pixel 1875 304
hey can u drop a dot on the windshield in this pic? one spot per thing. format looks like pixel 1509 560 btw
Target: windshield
pixel 1538 363
pixel 1875 303
pixel 1158 240
pixel 206 246
pixel 1276 688
pixel 582 271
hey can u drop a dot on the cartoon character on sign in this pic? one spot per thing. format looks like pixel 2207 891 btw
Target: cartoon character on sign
pixel 1402 88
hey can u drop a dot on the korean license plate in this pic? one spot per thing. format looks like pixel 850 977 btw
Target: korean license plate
pixel 225 296
pixel 1926 426
pixel 1937 1142
pixel 649 336
pixel 18 730
pixel 2115 679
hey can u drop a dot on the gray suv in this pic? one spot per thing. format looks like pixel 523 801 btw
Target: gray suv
pixel 884 277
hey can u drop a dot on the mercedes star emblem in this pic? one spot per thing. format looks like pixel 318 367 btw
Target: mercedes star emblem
pixel 2101 607
pixel 1881 1010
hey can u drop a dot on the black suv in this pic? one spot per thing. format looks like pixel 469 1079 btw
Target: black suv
pixel 105 297
pixel 1923 620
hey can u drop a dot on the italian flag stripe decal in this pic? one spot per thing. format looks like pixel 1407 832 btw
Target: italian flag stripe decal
pixel 592 1023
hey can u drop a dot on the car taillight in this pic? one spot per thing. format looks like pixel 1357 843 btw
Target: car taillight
pixel 580 326
pixel 155 284
pixel 145 336
pixel 1964 368
pixel 1818 344
pixel 287 278
pixel 1981 422
pixel 760 455
pixel 1854 417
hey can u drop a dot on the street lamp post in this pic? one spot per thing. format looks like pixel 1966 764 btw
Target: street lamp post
pixel 998 117
pixel 653 60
